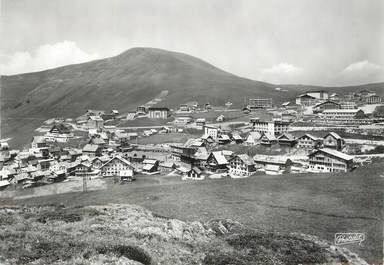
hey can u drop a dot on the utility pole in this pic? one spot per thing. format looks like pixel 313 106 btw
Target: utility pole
pixel 84 183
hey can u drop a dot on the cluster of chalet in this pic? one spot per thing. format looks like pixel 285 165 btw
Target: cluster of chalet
pixel 202 163
pixel 352 108
pixel 180 117
pixel 194 152
pixel 330 146
pixel 95 119
pixel 107 151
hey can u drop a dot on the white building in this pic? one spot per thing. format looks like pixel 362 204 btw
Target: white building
pixel 260 103
pixel 348 104
pixel 212 131
pixel 343 114
pixel 275 127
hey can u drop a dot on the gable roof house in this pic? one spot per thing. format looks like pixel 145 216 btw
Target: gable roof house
pixel 114 166
pixel 195 173
pixel 60 128
pixel 268 139
pixel 308 142
pixel 273 165
pixel 253 138
pixel 326 105
pixel 241 166
pixel 95 122
pixel 98 161
pixel 80 168
pixel 287 139
pixel 150 165
pixel 183 153
pixel 306 100
pixel 334 141
pixel 74 153
pixel 192 142
pixel 200 157
pixel 224 139
pixel 92 150
pixel 236 137
pixel 167 166
pixel 216 161
pixel 122 137
pixel 330 160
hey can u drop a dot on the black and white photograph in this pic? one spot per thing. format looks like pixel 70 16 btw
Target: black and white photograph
pixel 191 132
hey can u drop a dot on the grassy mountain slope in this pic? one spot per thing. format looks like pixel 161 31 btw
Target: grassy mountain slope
pixel 131 78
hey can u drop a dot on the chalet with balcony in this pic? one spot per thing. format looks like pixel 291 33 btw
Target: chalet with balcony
pixel 326 105
pixel 241 165
pixel 308 142
pixel 330 160
pixel 114 166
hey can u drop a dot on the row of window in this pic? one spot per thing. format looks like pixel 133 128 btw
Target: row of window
pixel 339 165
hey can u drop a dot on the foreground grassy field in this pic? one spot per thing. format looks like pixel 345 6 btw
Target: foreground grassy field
pixel 315 204
pixel 131 235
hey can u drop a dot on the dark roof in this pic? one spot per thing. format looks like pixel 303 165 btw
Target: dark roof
pixel 306 96
pixel 335 153
pixel 334 135
pixel 158 108
pixel 328 101
pixel 309 136
pixel 61 127
pixel 288 136
pixel 197 170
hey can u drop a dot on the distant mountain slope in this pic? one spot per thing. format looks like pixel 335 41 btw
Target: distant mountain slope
pixel 123 82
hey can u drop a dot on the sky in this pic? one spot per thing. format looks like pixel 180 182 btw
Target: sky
pixel 318 42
